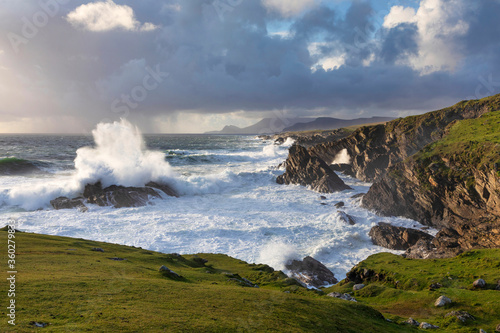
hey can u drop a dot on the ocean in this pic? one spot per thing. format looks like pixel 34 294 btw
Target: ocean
pixel 230 202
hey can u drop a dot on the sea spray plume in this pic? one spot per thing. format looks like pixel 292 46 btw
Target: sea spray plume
pixel 277 254
pixel 120 158
pixel 342 157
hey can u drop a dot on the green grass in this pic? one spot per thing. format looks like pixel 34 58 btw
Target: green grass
pixel 62 282
pixel 472 144
pixel 402 288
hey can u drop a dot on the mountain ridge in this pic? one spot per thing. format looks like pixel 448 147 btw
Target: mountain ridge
pixel 278 125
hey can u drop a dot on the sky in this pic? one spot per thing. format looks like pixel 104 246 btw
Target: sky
pixel 190 66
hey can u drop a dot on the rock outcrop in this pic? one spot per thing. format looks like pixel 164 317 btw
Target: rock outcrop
pixel 306 170
pixel 119 196
pixel 311 272
pixel 116 196
pixel 396 238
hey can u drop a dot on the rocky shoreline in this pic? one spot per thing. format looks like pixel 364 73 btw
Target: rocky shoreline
pixel 455 191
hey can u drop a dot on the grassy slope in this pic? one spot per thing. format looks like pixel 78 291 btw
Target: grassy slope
pixel 412 297
pixel 473 143
pixel 62 282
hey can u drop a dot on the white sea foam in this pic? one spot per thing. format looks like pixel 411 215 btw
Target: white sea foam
pixel 233 206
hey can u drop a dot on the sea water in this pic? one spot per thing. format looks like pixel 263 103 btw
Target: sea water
pixel 230 202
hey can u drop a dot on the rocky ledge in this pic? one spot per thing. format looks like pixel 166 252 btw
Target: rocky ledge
pixel 306 170
pixel 115 196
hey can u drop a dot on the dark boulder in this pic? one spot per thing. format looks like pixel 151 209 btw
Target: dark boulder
pixel 396 238
pixel 121 196
pixel 66 203
pixel 307 170
pixel 310 272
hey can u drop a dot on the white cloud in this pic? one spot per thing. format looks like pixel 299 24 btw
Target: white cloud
pixel 398 15
pixel 440 23
pixel 106 15
pixel 288 8
pixel 327 62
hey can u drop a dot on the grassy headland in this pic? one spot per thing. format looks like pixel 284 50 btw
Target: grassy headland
pixel 401 288
pixel 61 281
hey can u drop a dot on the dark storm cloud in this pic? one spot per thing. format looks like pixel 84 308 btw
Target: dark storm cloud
pixel 223 60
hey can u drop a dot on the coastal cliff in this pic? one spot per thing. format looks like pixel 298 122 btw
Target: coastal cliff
pixel 377 148
pixel 453 183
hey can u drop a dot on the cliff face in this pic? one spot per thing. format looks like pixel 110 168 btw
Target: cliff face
pixel 374 149
pixel 453 184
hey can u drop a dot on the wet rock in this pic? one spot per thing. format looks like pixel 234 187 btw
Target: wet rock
pixel 339 204
pixel 66 203
pixel 442 301
pixel 358 286
pixel 346 297
pixel 168 190
pixel 322 197
pixel 310 272
pixel 346 218
pixel 306 170
pixel 479 283
pixel 359 195
pixel 121 196
pixel 396 238
pixel 461 315
pixel 411 321
pixel 427 326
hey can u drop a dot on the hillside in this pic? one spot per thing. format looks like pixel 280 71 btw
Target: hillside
pixel 326 123
pixel 277 125
pixel 402 288
pixel 67 284
pixel 264 126
pixel 64 283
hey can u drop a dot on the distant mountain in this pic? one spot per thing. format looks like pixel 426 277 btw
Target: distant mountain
pixel 265 126
pixel 326 123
